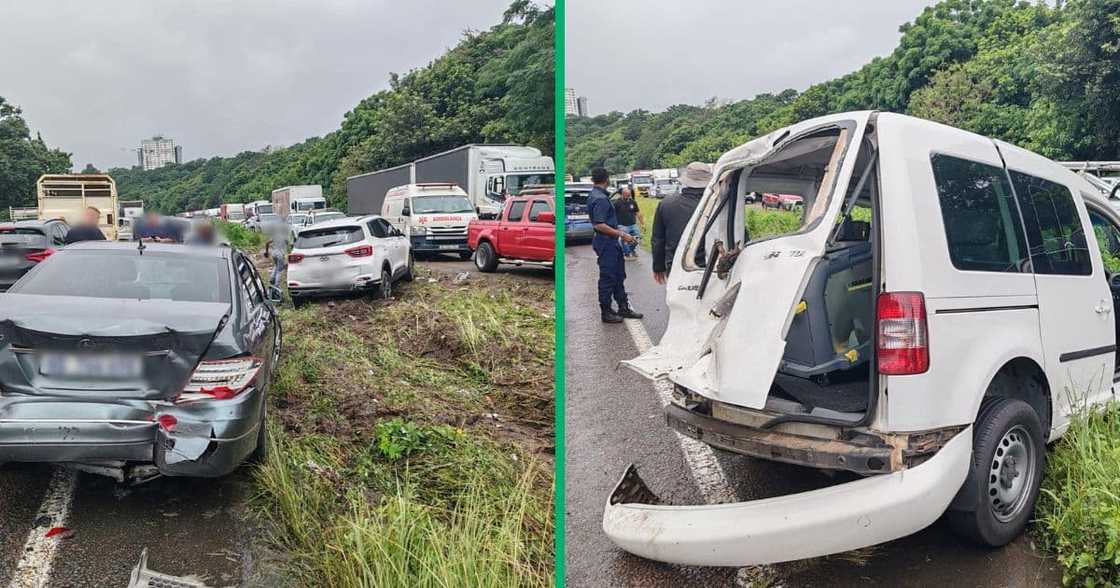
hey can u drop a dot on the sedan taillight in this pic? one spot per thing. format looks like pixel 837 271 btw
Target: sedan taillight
pixel 295 257
pixel 903 345
pixel 360 251
pixel 221 379
pixel 38 256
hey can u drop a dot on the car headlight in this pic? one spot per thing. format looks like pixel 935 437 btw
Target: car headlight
pixel 418 230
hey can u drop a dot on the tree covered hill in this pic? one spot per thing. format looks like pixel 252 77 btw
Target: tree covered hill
pixel 1043 77
pixel 494 86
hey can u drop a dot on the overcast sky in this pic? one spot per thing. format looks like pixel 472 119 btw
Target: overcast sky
pixel 219 77
pixel 627 54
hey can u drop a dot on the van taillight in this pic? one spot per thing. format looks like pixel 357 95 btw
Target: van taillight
pixel 903 341
pixel 295 257
pixel 38 256
pixel 360 251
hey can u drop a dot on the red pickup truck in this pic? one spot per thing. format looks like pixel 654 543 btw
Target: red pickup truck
pixel 524 233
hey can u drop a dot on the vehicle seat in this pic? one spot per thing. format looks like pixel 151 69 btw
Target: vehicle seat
pixel 832 328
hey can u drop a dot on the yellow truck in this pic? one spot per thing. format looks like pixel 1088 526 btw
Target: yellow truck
pixel 67 195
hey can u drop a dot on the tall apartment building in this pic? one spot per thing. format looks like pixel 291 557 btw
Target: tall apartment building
pixel 158 152
pixel 571 103
pixel 581 106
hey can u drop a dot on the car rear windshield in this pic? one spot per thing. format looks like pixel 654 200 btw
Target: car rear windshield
pixel 22 236
pixel 328 237
pixel 128 274
pixel 438 204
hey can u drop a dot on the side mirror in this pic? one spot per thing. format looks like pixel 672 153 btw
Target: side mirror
pixel 275 295
pixel 546 217
pixel 406 211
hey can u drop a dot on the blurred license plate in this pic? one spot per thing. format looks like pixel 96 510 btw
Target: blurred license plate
pixel 91 365
pixel 450 246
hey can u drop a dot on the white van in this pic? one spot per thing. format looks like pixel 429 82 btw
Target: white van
pixel 433 216
pixel 931 326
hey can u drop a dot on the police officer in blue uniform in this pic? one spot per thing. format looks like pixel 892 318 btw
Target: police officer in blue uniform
pixel 612 265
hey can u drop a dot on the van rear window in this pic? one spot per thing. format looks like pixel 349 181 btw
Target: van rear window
pixel 1054 231
pixel 982 224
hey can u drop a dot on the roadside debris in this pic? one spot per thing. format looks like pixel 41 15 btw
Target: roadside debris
pixel 60 533
pixel 142 577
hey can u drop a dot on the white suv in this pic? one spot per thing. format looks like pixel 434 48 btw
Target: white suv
pixel 346 255
pixel 935 320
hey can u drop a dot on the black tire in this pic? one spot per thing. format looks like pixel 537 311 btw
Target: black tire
pixel 298 301
pixel 410 271
pixel 385 287
pixel 485 258
pixel 1008 459
pixel 465 255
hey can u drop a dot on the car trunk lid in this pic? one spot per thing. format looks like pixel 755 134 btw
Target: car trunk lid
pixel 103 347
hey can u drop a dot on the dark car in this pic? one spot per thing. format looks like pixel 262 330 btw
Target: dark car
pixel 577 225
pixel 137 361
pixel 24 244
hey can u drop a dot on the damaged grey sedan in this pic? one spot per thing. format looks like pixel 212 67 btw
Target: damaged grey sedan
pixel 136 361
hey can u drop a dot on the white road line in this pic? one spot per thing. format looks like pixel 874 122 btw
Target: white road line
pixel 34 567
pixel 701 460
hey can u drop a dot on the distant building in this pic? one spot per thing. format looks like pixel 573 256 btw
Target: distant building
pixel 157 152
pixel 574 105
pixel 571 105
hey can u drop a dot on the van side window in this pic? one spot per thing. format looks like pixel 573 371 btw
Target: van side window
pixel 1108 238
pixel 982 225
pixel 1054 231
pixel 516 211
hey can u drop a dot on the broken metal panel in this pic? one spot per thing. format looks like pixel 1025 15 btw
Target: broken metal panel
pixel 142 577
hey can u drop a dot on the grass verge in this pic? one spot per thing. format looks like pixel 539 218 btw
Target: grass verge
pixel 239 236
pixel 412 439
pixel 760 222
pixel 1078 513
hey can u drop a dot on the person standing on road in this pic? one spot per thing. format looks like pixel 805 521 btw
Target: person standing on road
pixel 629 220
pixel 608 249
pixel 87 229
pixel 673 213
pixel 277 248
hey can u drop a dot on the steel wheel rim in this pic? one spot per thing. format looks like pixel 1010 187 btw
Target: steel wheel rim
pixel 1012 474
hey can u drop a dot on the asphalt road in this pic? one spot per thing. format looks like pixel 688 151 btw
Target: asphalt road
pixel 614 418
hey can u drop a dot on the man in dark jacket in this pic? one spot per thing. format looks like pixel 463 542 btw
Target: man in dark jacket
pixel 673 213
pixel 87 229
pixel 608 249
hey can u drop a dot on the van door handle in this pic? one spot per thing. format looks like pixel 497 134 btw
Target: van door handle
pixel 1103 308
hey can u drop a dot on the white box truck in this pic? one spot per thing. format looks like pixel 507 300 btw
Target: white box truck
pixel 487 173
pixel 296 198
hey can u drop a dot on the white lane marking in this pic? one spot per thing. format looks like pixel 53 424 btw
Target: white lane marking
pixel 34 567
pixel 701 460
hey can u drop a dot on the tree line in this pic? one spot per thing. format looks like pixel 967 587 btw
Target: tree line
pixel 493 86
pixel 1044 77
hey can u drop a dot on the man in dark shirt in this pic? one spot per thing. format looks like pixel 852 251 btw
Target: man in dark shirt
pixel 673 213
pixel 86 229
pixel 629 220
pixel 612 267
pixel 155 229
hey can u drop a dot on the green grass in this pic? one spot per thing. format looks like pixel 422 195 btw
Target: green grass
pixel 760 222
pixel 1078 513
pixel 406 439
pixel 240 237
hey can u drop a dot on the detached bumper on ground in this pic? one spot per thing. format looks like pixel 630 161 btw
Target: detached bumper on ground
pixel 810 524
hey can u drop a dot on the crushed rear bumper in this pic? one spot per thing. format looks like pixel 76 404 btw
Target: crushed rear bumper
pixel 830 520
pixel 211 438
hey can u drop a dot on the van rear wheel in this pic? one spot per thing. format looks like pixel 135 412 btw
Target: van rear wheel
pixel 1008 458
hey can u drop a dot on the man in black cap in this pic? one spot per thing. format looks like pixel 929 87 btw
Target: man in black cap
pixel 673 213
pixel 608 248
